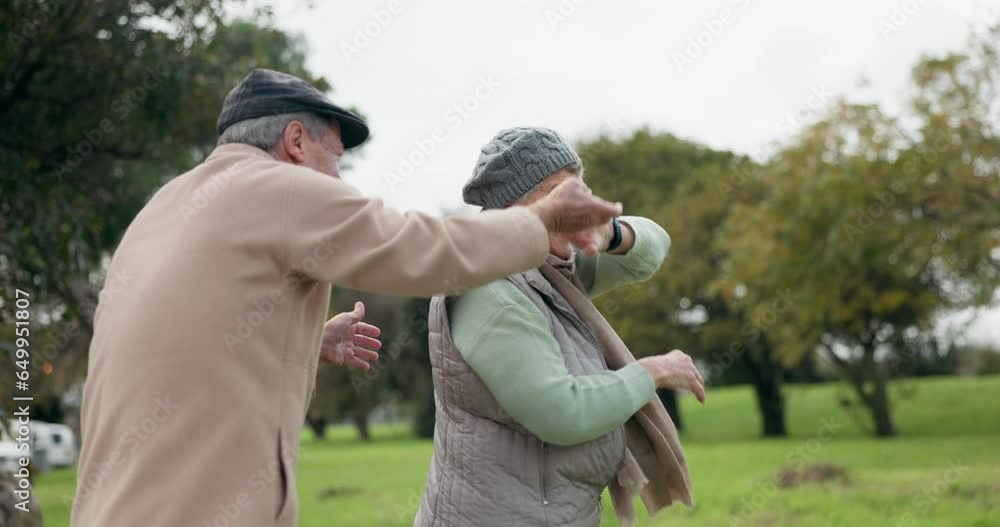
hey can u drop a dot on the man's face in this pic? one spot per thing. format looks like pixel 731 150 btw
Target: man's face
pixel 323 155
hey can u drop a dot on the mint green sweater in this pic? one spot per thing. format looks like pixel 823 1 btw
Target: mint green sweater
pixel 507 340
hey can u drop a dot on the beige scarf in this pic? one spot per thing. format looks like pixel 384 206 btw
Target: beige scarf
pixel 654 464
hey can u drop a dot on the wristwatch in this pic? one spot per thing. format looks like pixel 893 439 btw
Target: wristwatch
pixel 616 236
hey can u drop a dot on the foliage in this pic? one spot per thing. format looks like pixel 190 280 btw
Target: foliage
pixel 690 190
pixel 102 103
pixel 873 228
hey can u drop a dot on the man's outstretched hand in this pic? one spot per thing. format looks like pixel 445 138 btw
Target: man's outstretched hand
pixel 572 209
pixel 350 342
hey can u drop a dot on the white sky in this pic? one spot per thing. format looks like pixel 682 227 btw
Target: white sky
pixel 582 65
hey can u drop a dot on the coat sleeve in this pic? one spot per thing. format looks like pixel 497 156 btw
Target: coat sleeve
pixel 334 234
pixel 605 271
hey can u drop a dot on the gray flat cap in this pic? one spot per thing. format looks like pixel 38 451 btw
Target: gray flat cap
pixel 513 162
pixel 268 92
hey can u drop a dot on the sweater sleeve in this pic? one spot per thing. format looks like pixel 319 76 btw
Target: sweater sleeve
pixel 508 342
pixel 334 234
pixel 606 271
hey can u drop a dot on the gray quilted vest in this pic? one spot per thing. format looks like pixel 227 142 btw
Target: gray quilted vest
pixel 487 470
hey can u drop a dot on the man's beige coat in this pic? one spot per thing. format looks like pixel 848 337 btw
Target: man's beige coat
pixel 207 335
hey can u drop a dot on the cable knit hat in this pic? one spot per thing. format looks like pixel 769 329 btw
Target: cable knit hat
pixel 513 162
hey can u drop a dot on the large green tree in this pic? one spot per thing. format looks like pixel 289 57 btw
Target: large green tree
pixel 873 226
pixel 101 103
pixel 689 189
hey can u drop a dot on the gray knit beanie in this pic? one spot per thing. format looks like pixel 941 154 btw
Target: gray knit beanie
pixel 513 162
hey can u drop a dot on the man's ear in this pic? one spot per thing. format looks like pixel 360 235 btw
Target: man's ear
pixel 292 140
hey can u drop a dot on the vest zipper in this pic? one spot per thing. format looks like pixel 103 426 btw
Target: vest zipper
pixel 543 475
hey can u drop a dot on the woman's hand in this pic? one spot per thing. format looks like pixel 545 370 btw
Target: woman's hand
pixel 349 341
pixel 675 370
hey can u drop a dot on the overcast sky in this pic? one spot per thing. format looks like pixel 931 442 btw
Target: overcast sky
pixel 437 79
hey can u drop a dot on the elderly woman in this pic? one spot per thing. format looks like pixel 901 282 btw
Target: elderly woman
pixel 540 406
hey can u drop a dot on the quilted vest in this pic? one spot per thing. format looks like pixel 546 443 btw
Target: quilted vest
pixel 487 470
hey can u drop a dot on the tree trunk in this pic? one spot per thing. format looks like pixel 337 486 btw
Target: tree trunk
pixel 878 400
pixel 767 388
pixel 361 423
pixel 669 399
pixel 318 426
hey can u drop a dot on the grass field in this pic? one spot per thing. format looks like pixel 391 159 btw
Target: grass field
pixel 943 470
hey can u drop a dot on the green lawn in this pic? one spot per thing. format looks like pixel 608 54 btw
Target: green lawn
pixel 943 470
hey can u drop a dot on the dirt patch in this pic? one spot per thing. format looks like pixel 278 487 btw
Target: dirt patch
pixel 988 490
pixel 787 477
pixel 330 493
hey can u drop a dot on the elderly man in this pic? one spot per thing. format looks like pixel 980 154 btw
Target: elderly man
pixel 205 348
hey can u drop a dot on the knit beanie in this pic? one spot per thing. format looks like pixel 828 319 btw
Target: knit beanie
pixel 513 162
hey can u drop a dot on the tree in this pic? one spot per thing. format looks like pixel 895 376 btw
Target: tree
pixel 689 189
pixel 102 103
pixel 346 393
pixel 871 229
pixel 412 366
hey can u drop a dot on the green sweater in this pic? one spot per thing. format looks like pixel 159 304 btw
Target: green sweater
pixel 507 340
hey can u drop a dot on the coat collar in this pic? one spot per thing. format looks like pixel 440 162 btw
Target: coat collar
pixel 239 149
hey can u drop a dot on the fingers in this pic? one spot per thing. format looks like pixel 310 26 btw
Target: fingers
pixel 695 382
pixel 697 374
pixel 604 210
pixel 698 389
pixel 366 329
pixel 697 386
pixel 588 241
pixel 356 363
pixel 358 313
pixel 367 342
pixel 573 208
pixel 366 355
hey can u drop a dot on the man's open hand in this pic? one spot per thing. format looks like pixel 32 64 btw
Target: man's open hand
pixel 349 341
pixel 572 209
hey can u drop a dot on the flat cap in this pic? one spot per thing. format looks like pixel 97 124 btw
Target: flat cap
pixel 268 92
pixel 513 162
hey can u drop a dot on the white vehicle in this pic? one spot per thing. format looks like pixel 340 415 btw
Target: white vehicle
pixel 58 442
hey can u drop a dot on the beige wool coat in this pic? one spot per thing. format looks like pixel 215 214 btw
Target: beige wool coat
pixel 207 334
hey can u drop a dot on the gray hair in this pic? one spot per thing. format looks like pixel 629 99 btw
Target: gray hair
pixel 265 132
